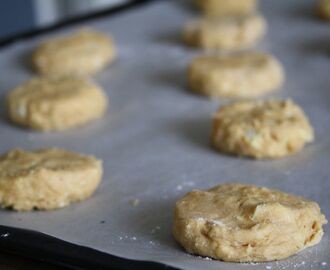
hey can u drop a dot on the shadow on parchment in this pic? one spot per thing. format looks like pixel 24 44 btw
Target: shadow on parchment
pixel 24 60
pixel 174 78
pixel 302 12
pixel 315 47
pixel 305 12
pixel 172 38
pixel 195 131
pixel 3 112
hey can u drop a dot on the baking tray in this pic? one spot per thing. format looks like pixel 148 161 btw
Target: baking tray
pixel 154 142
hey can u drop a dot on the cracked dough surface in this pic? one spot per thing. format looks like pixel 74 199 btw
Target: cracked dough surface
pixel 245 223
pixel 80 53
pixel 47 178
pixel 323 9
pixel 225 33
pixel 48 104
pixel 261 129
pixel 239 75
pixel 227 7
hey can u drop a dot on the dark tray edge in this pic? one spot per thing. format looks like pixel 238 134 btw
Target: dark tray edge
pixel 4 42
pixel 48 249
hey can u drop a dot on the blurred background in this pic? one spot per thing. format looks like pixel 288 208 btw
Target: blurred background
pixel 17 16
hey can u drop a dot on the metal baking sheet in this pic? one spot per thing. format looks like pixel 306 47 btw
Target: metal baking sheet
pixel 154 138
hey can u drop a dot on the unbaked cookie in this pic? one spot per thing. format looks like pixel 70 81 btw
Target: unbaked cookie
pixel 225 33
pixel 47 178
pixel 241 75
pixel 323 9
pixel 227 7
pixel 245 223
pixel 56 103
pixel 261 129
pixel 81 53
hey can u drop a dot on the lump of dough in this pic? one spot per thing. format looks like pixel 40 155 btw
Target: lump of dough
pixel 227 7
pixel 54 104
pixel 47 178
pixel 245 223
pixel 323 9
pixel 261 129
pixel 81 53
pixel 225 33
pixel 238 75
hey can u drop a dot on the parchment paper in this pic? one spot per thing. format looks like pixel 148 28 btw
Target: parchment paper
pixel 154 139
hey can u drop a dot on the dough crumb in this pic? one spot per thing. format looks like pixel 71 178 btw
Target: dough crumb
pixel 154 230
pixel 135 202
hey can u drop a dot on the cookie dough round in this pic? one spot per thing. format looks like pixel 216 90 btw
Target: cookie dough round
pixel 225 33
pixel 323 9
pixel 54 104
pixel 227 7
pixel 240 75
pixel 261 129
pixel 245 223
pixel 47 178
pixel 81 53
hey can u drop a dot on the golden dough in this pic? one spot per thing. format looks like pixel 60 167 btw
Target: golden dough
pixel 56 103
pixel 323 9
pixel 245 223
pixel 227 7
pixel 225 33
pixel 81 53
pixel 47 178
pixel 240 75
pixel 261 129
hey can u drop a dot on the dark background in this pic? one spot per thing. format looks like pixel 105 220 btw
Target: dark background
pixel 16 16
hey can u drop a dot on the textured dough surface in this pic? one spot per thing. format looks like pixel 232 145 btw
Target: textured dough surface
pixel 261 129
pixel 81 53
pixel 47 178
pixel 225 33
pixel 240 75
pixel 56 103
pixel 227 7
pixel 245 223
